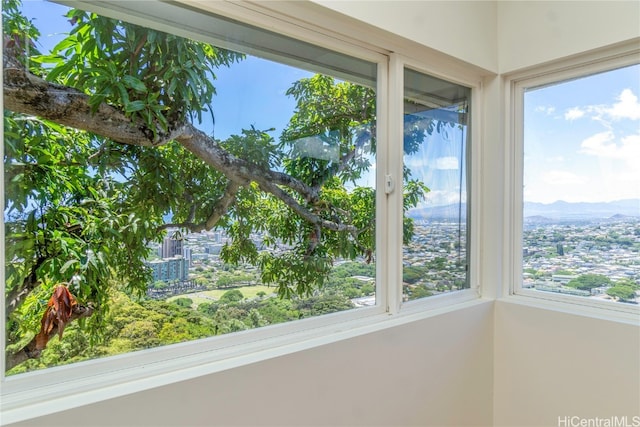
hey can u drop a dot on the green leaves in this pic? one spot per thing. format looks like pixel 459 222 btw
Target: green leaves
pixel 130 107
pixel 255 146
pixel 293 274
pixel 339 119
pixel 158 78
pixel 20 34
pixel 64 222
pixel 134 83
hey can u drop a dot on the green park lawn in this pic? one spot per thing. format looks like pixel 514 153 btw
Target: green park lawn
pixel 249 292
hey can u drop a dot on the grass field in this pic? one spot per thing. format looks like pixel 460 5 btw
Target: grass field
pixel 214 295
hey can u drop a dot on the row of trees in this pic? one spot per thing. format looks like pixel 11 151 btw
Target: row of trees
pixel 623 290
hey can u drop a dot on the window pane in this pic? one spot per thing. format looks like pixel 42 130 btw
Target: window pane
pixel 191 191
pixel 436 115
pixel 581 231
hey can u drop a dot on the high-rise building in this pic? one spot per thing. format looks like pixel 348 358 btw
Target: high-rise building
pixel 187 254
pixel 169 269
pixel 171 247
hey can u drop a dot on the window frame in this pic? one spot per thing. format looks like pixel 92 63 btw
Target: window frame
pixel 33 394
pixel 599 61
pixel 474 179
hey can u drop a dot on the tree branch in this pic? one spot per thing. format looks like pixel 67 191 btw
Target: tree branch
pixel 30 351
pixel 27 94
pixel 220 208
pixel 303 212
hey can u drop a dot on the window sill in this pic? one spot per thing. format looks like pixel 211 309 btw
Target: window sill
pixel 614 312
pixel 40 393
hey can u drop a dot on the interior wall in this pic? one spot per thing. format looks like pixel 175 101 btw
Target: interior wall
pixel 550 365
pixel 502 36
pixel 534 32
pixel 466 30
pixel 433 372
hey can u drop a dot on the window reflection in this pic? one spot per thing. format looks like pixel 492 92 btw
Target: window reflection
pixel 435 252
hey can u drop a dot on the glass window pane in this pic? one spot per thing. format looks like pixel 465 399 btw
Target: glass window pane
pixel 189 191
pixel 436 145
pixel 581 233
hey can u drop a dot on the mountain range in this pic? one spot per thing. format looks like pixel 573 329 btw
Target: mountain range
pixel 541 212
pixel 566 210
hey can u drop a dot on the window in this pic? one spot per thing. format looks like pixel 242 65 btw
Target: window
pixel 581 187
pixel 253 171
pixel 159 242
pixel 436 115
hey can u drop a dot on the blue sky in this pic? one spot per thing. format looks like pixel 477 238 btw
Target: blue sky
pixel 582 139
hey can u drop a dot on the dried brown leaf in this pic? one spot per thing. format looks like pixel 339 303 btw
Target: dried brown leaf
pixel 59 310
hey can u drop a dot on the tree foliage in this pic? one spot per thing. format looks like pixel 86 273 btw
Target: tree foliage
pixel 102 144
pixel 589 281
pixel 622 292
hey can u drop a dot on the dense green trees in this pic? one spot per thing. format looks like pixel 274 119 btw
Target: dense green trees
pixel 233 295
pixel 587 282
pixel 622 292
pixel 136 324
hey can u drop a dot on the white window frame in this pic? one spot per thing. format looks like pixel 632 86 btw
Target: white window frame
pixel 611 58
pixel 473 189
pixel 39 393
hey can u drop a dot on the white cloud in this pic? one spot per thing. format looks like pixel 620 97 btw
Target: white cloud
pixel 444 197
pixel 574 113
pixel 598 144
pixel 447 163
pixel 627 107
pixel 603 145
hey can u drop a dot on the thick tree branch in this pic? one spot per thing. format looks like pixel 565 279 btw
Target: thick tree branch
pixel 27 94
pixel 303 212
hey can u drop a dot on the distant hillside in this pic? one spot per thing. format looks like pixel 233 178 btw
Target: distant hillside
pixel 537 219
pixel 566 210
pixel 440 213
pixel 541 212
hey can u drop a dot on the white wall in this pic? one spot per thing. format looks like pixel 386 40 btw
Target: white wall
pixel 434 372
pixel 466 30
pixel 534 32
pixel 550 364
pixel 501 36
